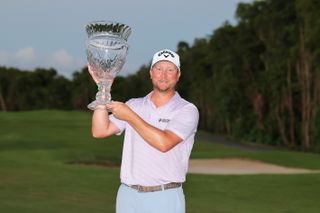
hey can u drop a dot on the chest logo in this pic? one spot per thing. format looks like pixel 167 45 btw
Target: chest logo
pixel 163 120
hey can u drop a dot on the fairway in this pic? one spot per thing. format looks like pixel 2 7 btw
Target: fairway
pixel 50 163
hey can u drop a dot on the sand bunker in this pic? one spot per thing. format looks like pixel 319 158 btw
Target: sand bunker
pixel 240 166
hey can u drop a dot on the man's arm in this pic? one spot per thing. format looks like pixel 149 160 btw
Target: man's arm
pixel 101 125
pixel 163 140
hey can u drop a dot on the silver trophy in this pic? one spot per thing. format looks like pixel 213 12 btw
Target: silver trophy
pixel 106 49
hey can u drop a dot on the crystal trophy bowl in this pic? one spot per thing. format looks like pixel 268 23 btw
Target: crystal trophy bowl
pixel 106 48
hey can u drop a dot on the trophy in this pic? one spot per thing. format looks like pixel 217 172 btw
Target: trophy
pixel 106 49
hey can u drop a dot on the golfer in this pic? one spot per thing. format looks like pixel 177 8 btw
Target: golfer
pixel 159 135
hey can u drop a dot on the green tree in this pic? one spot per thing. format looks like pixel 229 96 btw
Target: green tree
pixel 84 89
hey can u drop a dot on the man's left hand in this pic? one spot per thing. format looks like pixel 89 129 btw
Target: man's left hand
pixel 120 110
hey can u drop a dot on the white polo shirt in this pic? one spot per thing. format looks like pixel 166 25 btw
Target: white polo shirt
pixel 145 165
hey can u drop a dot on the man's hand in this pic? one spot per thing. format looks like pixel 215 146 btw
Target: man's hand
pixel 161 140
pixel 120 110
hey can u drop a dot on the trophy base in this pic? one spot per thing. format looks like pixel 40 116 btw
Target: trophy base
pixel 103 96
pixel 93 105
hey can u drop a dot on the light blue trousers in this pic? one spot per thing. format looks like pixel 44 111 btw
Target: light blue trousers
pixel 167 201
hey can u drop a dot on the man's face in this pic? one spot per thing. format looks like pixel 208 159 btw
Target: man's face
pixel 164 76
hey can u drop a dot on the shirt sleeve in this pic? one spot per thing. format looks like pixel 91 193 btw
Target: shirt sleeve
pixel 185 122
pixel 120 124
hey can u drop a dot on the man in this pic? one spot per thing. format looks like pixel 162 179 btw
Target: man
pixel 159 135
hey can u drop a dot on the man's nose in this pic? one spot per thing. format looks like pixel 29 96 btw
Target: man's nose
pixel 164 74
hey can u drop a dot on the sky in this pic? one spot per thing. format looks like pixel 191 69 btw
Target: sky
pixel 51 33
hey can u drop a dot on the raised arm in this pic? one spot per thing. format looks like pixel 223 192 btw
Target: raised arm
pixel 101 125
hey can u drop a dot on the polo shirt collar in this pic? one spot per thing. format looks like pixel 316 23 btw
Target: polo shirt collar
pixel 172 100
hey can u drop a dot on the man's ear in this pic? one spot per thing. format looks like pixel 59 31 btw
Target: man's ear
pixel 150 73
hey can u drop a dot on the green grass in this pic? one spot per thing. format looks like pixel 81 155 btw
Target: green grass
pixel 37 171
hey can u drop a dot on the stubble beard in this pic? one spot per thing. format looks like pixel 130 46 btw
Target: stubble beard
pixel 163 90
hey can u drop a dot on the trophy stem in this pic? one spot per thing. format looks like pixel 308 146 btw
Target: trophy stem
pixel 103 96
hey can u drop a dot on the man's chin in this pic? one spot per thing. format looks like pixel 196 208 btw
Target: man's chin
pixel 162 89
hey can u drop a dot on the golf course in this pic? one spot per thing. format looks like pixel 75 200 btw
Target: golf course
pixel 50 163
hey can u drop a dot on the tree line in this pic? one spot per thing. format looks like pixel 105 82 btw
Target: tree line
pixel 46 89
pixel 256 80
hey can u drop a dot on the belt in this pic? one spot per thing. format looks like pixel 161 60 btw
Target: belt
pixel 140 188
